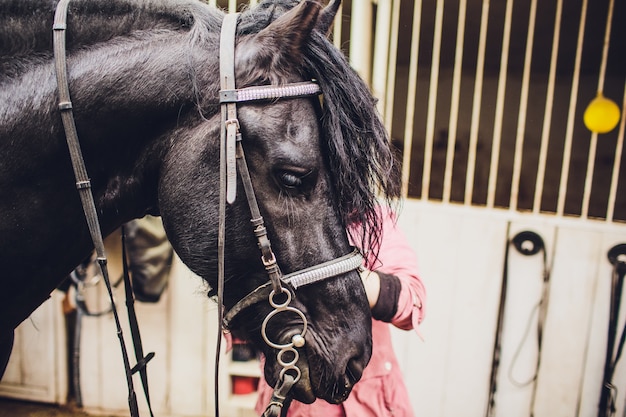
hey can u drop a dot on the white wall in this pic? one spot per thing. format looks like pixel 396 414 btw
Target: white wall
pixel 461 251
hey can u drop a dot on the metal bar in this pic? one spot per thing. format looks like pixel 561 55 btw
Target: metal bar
pixel 393 54
pixel 569 132
pixel 547 118
pixel 410 100
pixel 497 130
pixel 432 100
pixel 456 93
pixel 605 46
pixel 476 104
pixel 213 3
pixel 523 108
pixel 232 6
pixel 594 136
pixel 591 162
pixel 619 148
pixel 381 64
pixel 360 28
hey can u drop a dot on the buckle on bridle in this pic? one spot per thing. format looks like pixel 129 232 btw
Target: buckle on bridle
pixel 232 122
pixel 269 262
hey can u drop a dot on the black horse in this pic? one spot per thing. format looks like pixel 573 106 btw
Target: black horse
pixel 144 80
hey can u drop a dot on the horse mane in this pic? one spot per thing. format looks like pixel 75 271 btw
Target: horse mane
pixel 364 170
pixel 26 25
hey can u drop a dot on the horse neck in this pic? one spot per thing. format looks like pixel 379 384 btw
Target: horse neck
pixel 145 102
pixel 128 97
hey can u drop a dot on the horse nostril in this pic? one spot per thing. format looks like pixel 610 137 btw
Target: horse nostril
pixel 354 370
pixel 344 384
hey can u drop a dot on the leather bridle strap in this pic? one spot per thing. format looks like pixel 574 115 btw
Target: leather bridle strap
pixel 83 184
pixel 232 155
pixel 229 111
pixel 270 92
pixel 307 276
pixel 228 179
pixel 231 158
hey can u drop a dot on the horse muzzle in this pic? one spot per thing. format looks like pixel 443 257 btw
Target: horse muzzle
pixel 318 372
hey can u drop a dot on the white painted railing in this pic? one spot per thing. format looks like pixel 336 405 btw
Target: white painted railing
pixel 463 114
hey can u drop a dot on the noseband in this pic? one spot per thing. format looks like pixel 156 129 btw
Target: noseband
pixel 278 290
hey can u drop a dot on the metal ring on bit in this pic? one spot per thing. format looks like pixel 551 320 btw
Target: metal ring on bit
pixel 282 352
pixel 298 339
pixel 290 368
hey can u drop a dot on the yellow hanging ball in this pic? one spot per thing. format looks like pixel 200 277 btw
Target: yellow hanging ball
pixel 601 115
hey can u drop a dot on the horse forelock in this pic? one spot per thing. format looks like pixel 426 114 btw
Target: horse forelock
pixel 366 172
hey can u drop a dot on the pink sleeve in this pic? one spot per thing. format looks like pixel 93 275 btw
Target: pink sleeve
pixel 398 258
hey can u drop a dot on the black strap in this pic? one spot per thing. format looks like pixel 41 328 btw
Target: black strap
pixel 78 278
pixel 528 243
pixel 606 406
pixel 280 401
pixel 142 361
pixel 83 183
pixel 227 77
pixel 497 345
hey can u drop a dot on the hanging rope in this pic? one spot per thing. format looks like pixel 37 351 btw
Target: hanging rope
pixel 527 243
pixel 530 243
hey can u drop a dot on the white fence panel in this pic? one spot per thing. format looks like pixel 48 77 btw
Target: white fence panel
pixel 461 252
pixel 37 367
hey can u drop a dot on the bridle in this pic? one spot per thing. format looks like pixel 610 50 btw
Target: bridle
pixel 232 160
pixel 279 290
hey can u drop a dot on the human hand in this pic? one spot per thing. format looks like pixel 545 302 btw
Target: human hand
pixel 371 282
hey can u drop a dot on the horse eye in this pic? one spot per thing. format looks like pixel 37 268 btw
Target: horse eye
pixel 289 179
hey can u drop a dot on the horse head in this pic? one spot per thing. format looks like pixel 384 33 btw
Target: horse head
pixel 311 184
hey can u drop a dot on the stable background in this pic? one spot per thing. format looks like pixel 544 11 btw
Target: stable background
pixel 484 102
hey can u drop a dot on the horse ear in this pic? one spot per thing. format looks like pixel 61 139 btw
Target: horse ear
pixel 327 16
pixel 293 28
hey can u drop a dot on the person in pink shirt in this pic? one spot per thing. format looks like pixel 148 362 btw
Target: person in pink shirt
pixel 397 296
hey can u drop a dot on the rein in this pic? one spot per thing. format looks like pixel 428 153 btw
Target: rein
pixel 83 184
